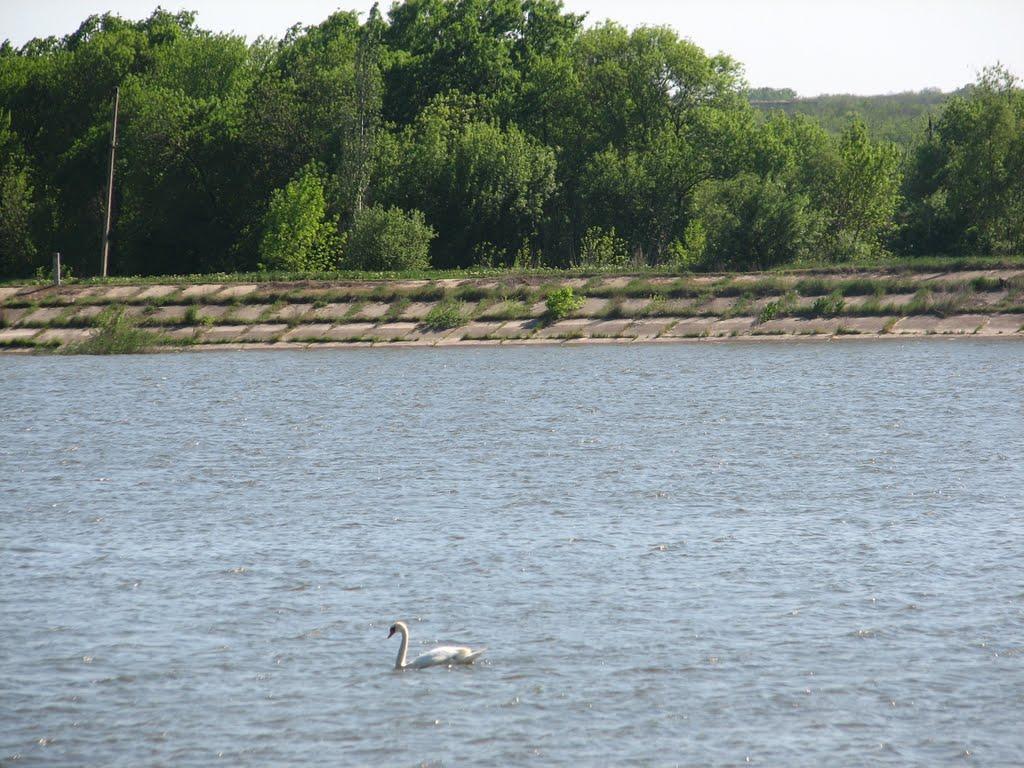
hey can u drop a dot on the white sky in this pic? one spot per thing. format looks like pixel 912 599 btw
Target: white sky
pixel 813 46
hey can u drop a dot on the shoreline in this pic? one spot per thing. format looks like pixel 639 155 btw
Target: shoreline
pixel 583 342
pixel 608 309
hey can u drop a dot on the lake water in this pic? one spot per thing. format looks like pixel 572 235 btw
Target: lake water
pixel 796 554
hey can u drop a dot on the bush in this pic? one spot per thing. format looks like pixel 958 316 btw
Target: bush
pixel 117 334
pixel 388 239
pixel 750 223
pixel 828 306
pixel 602 249
pixel 444 315
pixel 562 302
pixel 298 236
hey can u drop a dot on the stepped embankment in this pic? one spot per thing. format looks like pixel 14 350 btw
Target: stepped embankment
pixel 155 316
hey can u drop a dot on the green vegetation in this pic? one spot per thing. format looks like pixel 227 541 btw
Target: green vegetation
pixel 481 135
pixel 901 118
pixel 561 303
pixel 386 239
pixel 298 234
pixel 444 315
pixel 117 334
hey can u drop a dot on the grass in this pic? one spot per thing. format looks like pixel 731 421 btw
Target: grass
pixel 28 344
pixel 444 315
pixel 117 334
pixel 395 310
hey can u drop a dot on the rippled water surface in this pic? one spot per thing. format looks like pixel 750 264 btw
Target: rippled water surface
pixel 787 554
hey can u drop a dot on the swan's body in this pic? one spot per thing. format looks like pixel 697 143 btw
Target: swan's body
pixel 443 655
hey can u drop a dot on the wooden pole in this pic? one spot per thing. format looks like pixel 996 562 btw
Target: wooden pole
pixel 56 267
pixel 110 184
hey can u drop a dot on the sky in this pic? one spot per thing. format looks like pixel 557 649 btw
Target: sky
pixel 812 46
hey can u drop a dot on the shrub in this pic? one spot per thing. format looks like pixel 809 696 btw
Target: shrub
pixel 444 315
pixel 298 235
pixel 602 249
pixel 388 239
pixel 562 303
pixel 117 335
pixel 828 306
pixel 748 223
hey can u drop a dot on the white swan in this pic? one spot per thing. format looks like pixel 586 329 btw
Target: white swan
pixel 442 655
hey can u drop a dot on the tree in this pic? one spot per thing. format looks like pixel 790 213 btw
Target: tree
pixel 298 234
pixel 388 239
pixel 966 187
pixel 476 182
pixel 749 222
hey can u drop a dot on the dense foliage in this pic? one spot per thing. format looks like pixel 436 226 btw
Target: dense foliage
pixel 460 132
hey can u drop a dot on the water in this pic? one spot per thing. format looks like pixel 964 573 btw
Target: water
pixel 787 554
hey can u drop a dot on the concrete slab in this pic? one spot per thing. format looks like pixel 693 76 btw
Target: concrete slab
pixel 961 324
pixel 291 312
pixel 178 334
pixel 1003 324
pixel 591 308
pixel 798 326
pixel 676 307
pixel 517 329
pixel 212 311
pixel 235 291
pixel 199 291
pixel 616 282
pixel 249 313
pixel 689 327
pixel 86 314
pixel 732 326
pixel 157 292
pixel 990 298
pixel 42 316
pixel 634 307
pixel 210 334
pixel 7 292
pixel 373 310
pixel 417 310
pixel 389 331
pixel 333 312
pixel 17 334
pixel 475 330
pixel 608 328
pixel 265 332
pixel 651 328
pixel 12 316
pixel 349 331
pixel 307 332
pixel 718 306
pixel 120 292
pixel 897 300
pixel 64 335
pixel 215 333
pixel 171 314
pixel 503 309
pixel 564 328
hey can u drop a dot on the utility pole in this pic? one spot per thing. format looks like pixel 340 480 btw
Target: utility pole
pixel 110 183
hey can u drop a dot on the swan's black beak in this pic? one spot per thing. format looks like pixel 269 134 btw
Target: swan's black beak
pixel 391 632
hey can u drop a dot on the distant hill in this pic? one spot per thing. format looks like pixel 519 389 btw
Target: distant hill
pixel 897 117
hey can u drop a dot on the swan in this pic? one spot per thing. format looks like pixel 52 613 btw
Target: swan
pixel 442 655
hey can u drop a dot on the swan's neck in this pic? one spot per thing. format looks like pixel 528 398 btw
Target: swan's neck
pixel 400 661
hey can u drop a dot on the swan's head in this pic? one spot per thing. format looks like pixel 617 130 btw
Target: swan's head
pixel 394 628
pixel 398 626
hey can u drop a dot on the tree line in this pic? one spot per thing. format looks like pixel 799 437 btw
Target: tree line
pixel 453 133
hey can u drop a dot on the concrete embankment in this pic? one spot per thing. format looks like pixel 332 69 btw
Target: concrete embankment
pixel 512 310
